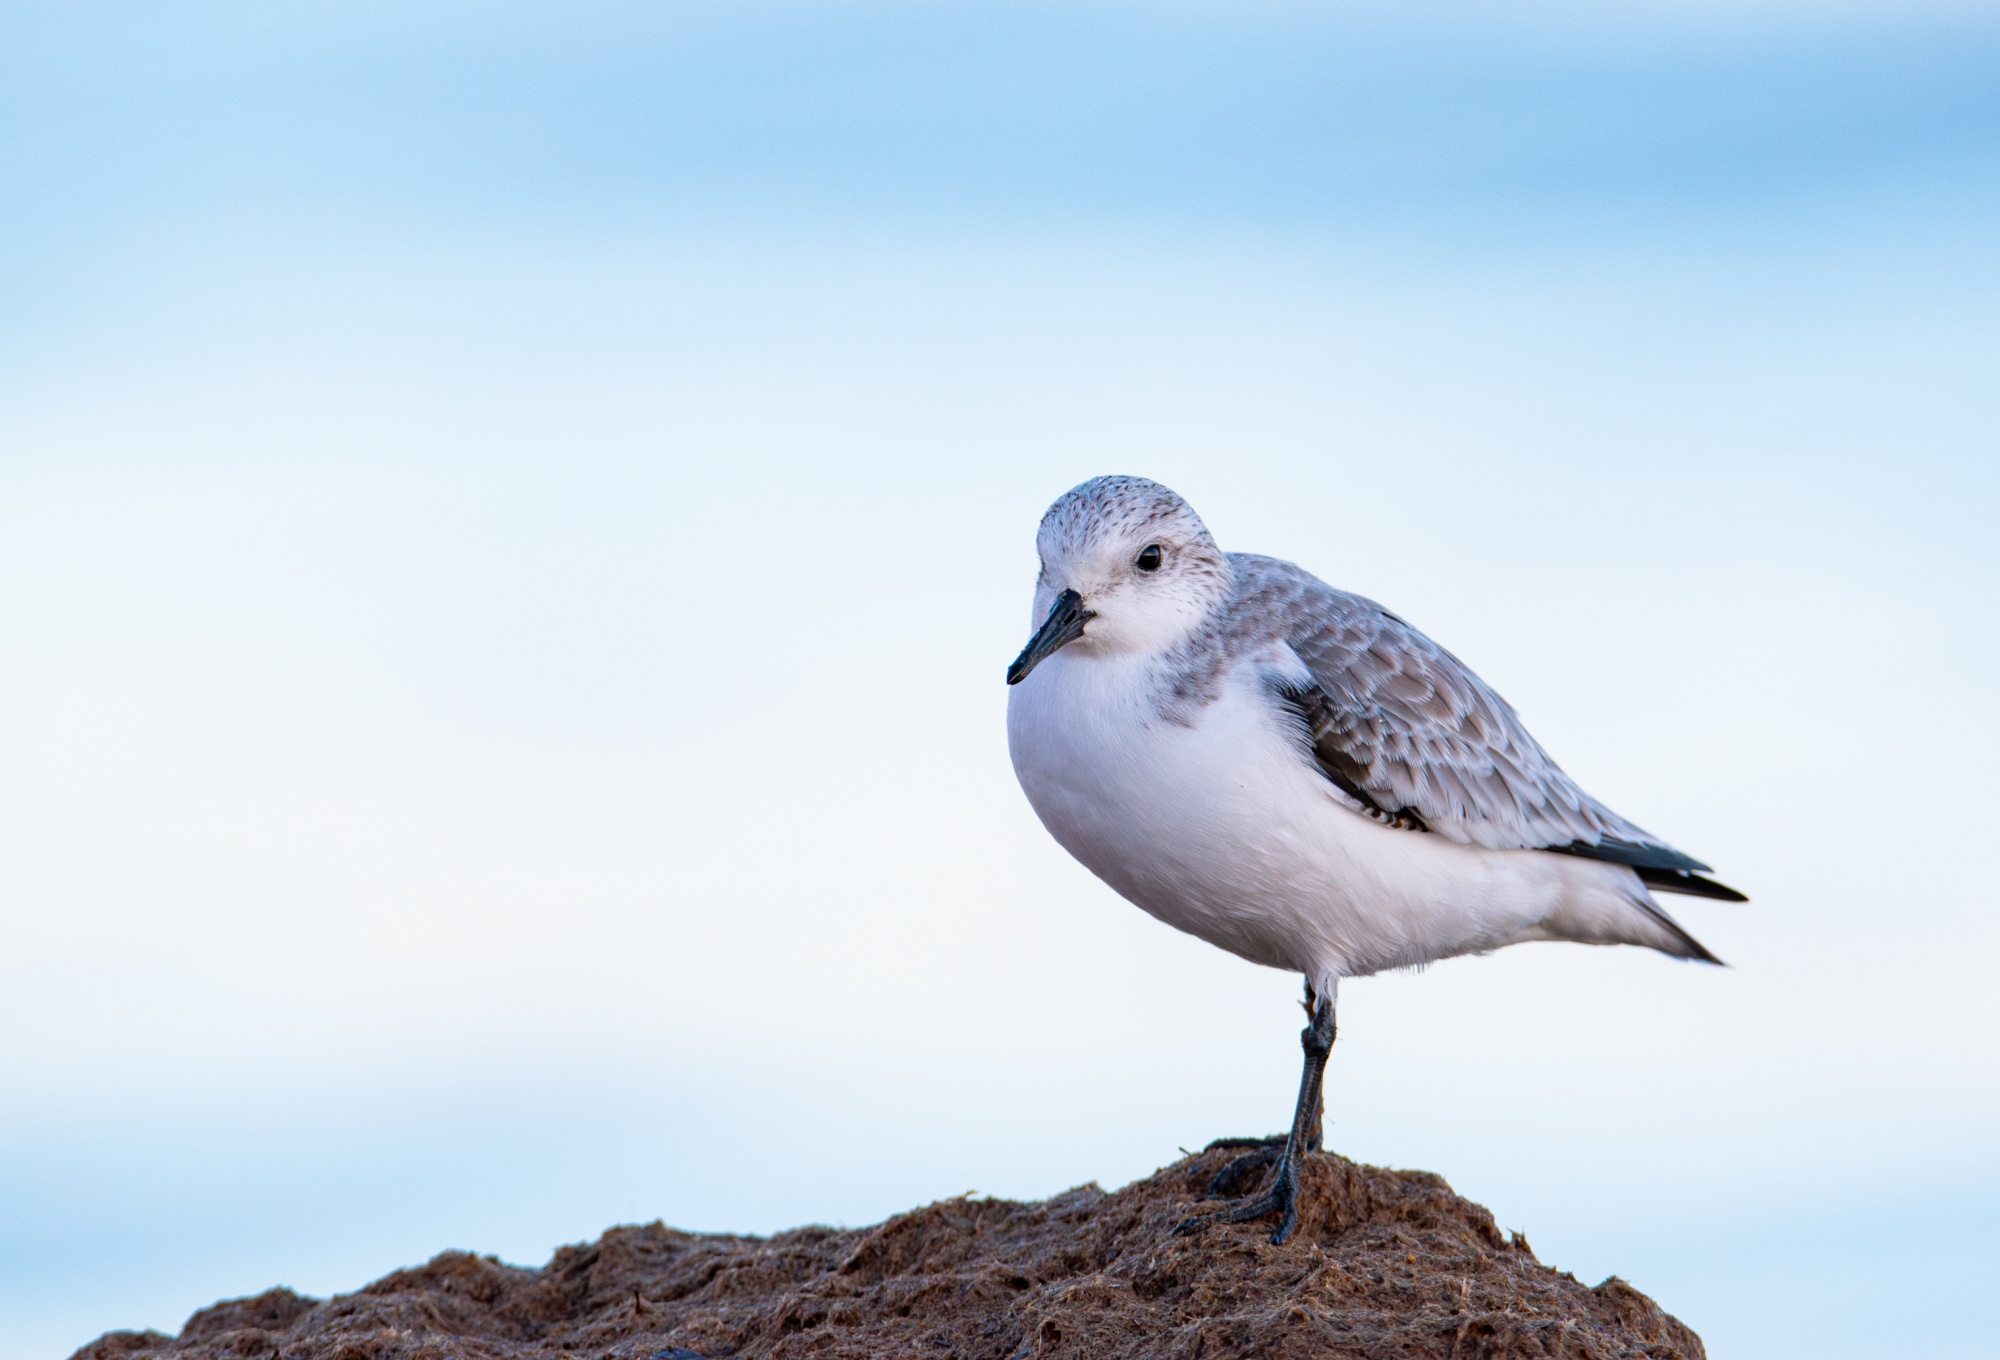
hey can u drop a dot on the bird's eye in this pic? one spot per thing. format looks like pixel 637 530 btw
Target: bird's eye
pixel 1149 557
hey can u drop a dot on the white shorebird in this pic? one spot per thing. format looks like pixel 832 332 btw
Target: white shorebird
pixel 1296 775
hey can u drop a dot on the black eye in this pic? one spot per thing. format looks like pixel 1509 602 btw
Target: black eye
pixel 1149 557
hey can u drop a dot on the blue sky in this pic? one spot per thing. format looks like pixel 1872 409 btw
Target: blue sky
pixel 511 520
pixel 598 118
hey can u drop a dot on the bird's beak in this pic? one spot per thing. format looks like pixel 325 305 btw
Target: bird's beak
pixel 1064 626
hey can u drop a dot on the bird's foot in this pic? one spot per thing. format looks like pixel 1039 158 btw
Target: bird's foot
pixel 1282 1198
pixel 1263 1152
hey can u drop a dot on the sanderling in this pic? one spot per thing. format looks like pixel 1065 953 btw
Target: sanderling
pixel 1296 775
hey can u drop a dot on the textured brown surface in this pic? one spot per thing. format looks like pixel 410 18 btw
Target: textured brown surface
pixel 1385 1264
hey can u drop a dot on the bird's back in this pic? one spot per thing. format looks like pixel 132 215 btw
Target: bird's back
pixel 1412 725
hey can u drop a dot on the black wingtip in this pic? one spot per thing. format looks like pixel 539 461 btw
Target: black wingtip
pixel 1633 854
pixel 1690 885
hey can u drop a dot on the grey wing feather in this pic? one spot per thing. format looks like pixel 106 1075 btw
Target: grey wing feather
pixel 1409 726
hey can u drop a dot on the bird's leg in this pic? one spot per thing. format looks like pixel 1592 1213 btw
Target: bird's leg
pixel 1263 1151
pixel 1317 1041
pixel 1319 1017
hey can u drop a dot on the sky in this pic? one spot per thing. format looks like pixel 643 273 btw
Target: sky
pixel 512 520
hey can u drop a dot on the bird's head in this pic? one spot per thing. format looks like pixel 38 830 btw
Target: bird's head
pixel 1127 567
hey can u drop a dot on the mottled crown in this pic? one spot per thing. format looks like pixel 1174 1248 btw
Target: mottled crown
pixel 1116 507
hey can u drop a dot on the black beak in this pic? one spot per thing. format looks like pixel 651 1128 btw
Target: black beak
pixel 1064 626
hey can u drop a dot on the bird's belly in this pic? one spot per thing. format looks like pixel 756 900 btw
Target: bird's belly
pixel 1222 828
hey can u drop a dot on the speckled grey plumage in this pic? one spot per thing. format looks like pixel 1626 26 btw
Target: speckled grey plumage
pixel 1418 729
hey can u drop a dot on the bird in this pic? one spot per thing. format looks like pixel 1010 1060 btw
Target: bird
pixel 1298 776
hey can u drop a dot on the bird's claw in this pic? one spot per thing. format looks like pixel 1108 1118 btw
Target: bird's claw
pixel 1262 1153
pixel 1281 1197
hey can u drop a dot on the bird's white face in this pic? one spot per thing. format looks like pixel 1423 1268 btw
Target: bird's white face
pixel 1127 568
pixel 1147 590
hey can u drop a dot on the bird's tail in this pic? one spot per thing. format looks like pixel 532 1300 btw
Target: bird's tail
pixel 1609 904
pixel 1689 946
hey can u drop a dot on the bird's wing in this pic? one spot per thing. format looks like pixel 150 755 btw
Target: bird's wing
pixel 1418 740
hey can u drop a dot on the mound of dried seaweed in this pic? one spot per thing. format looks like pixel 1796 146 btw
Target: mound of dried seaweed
pixel 1385 1264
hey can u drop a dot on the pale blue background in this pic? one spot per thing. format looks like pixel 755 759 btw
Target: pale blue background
pixel 512 518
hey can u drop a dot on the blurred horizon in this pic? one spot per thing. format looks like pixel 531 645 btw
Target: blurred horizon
pixel 512 518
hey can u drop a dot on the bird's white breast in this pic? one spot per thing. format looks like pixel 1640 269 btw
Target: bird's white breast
pixel 1218 824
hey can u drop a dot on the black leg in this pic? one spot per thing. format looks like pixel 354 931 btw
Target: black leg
pixel 1306 1136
